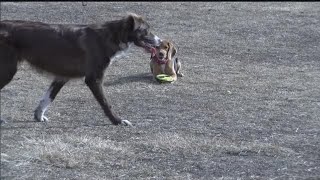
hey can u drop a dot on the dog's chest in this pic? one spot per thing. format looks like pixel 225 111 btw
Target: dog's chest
pixel 163 67
pixel 124 47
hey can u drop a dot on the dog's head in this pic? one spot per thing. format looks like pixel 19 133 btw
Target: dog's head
pixel 140 34
pixel 165 51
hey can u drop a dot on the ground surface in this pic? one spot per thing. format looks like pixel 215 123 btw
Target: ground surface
pixel 248 107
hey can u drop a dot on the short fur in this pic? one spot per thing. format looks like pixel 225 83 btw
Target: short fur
pixel 162 61
pixel 70 51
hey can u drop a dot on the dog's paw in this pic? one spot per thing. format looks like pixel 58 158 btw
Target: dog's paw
pixel 126 123
pixel 44 119
pixel 41 118
pixel 180 74
pixel 38 116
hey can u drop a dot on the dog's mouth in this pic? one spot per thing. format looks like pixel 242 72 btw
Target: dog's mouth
pixel 149 43
pixel 147 47
pixel 154 56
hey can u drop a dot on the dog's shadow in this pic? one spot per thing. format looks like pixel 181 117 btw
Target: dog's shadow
pixel 142 77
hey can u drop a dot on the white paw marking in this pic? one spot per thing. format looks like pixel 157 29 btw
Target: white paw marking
pixel 39 116
pixel 126 123
pixel 180 74
pixel 44 119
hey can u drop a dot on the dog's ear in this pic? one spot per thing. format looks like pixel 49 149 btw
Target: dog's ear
pixel 172 50
pixel 135 20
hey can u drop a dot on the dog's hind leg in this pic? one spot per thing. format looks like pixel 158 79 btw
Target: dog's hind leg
pixel 48 98
pixel 178 67
pixel 8 66
pixel 7 71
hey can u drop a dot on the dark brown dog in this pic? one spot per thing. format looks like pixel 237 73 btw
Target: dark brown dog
pixel 70 51
pixel 162 61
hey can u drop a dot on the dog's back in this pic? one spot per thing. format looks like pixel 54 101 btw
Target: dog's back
pixel 52 48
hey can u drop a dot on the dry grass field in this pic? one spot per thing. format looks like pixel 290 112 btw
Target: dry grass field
pixel 247 108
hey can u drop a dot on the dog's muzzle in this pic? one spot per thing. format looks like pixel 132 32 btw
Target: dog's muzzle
pixel 157 59
pixel 150 42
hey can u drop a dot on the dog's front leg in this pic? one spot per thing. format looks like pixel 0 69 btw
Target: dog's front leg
pixel 174 77
pixel 94 83
pixel 97 61
pixel 48 98
pixel 171 71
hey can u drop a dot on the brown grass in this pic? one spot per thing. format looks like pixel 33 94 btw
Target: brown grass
pixel 71 151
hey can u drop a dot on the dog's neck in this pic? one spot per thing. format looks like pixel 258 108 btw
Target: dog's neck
pixel 124 47
pixel 120 41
